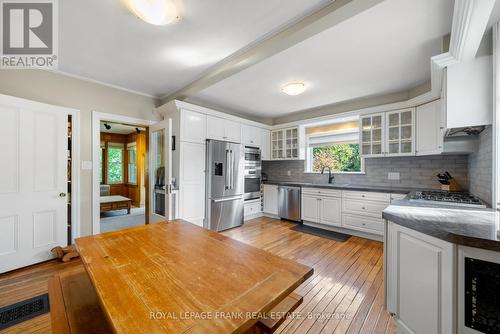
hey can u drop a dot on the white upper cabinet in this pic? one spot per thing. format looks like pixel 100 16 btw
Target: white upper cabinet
pixel 372 135
pixel 430 119
pixel 193 126
pixel 251 135
pixel 469 93
pixel 389 133
pixel 265 147
pixel 223 129
pixel 285 144
pixel 400 132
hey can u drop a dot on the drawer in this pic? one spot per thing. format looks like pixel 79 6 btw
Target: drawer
pixel 322 192
pixel 251 208
pixel 367 195
pixel 365 208
pixel 121 206
pixel 366 224
pixel 106 207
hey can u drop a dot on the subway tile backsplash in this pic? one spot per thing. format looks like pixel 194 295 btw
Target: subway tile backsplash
pixel 480 167
pixel 415 172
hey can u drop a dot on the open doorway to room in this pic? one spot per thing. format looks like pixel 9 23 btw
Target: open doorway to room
pixel 122 176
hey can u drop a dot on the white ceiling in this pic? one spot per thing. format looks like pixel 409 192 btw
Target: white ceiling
pixel 103 41
pixel 118 128
pixel 382 50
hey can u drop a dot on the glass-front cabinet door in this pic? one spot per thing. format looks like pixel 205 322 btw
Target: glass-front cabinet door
pixel 291 143
pixel 400 132
pixel 372 135
pixel 277 139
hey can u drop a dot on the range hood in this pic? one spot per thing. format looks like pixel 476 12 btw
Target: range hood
pixel 464 131
pixel 456 144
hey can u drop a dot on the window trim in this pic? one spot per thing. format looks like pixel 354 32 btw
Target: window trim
pixel 119 146
pixel 309 151
pixel 131 146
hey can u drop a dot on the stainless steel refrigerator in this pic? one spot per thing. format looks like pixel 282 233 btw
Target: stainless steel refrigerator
pixel 224 185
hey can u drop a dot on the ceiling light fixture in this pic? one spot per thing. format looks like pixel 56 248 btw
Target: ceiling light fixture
pixel 294 88
pixel 157 12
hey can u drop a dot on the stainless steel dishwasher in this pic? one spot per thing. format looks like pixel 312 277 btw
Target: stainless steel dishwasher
pixel 289 203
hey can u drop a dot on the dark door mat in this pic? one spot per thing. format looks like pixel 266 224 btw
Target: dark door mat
pixel 27 309
pixel 341 237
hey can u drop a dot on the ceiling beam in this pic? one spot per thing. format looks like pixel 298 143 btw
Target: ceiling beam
pixel 330 15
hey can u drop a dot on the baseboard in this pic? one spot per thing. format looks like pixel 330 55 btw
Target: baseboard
pixel 270 215
pixel 346 231
pixel 253 216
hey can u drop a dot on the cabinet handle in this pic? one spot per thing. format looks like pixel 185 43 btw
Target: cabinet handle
pixel 363 208
pixel 362 195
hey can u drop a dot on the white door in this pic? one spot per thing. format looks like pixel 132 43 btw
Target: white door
pixel 331 211
pixel 160 171
pixel 271 199
pixel 430 128
pixel 33 174
pixel 310 209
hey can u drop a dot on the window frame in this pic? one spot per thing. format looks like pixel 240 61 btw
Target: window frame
pixel 131 147
pixel 309 152
pixel 110 146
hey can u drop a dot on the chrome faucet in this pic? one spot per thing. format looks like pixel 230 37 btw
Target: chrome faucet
pixel 330 176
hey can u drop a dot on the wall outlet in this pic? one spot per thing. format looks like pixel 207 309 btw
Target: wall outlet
pixel 289 173
pixel 393 176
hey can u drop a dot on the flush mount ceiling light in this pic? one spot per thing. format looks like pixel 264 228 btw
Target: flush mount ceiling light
pixel 157 12
pixel 294 88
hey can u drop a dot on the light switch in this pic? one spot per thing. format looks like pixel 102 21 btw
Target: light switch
pixel 289 173
pixel 393 176
pixel 86 165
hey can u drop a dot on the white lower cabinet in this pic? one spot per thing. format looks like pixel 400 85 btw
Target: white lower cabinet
pixel 310 208
pixel 252 209
pixel 420 281
pixel 319 207
pixel 349 209
pixel 271 199
pixel 331 211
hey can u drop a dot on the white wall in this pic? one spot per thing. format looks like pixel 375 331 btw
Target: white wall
pixel 86 96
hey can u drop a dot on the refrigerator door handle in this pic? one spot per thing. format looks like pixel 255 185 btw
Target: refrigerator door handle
pixel 232 169
pixel 227 176
pixel 227 199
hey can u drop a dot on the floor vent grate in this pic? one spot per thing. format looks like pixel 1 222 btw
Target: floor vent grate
pixel 24 310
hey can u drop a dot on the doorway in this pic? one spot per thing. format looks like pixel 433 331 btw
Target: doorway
pixel 122 176
pixel 120 151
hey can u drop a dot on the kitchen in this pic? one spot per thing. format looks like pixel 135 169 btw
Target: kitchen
pixel 315 182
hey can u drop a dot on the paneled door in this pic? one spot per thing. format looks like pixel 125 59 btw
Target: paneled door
pixel 33 174
pixel 161 171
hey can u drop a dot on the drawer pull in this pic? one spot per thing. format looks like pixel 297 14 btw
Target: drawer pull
pixel 362 195
pixel 363 208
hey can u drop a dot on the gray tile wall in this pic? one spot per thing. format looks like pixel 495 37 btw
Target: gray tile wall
pixel 415 172
pixel 480 167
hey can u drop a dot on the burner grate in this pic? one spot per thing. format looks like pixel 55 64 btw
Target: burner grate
pixel 27 309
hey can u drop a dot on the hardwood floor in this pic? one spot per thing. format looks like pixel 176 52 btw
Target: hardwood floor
pixel 346 292
pixel 347 284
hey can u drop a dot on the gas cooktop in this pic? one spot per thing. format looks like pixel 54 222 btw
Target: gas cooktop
pixel 447 198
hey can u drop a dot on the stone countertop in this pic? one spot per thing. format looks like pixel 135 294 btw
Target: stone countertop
pixel 394 190
pixel 463 226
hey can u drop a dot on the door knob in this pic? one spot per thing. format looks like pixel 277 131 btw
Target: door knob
pixel 62 195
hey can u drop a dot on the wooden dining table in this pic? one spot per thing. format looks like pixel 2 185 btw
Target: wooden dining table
pixel 176 277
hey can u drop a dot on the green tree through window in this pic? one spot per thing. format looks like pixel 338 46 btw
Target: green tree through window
pixel 115 164
pixel 339 157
